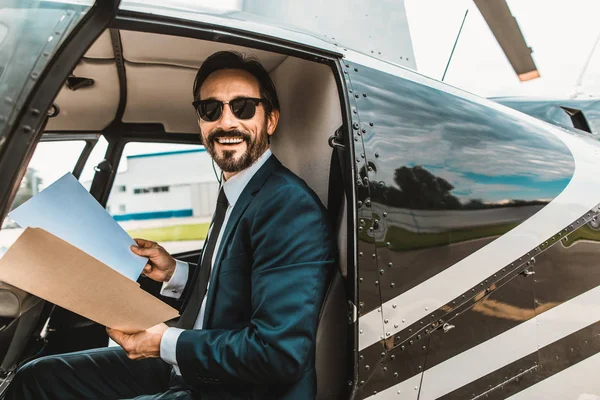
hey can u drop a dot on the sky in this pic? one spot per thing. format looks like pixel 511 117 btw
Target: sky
pixel 561 34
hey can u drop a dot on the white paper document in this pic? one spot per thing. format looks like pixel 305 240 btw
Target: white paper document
pixel 68 211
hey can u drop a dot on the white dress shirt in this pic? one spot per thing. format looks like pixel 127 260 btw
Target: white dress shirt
pixel 233 188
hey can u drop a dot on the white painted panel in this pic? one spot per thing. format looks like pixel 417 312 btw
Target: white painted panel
pixel 580 382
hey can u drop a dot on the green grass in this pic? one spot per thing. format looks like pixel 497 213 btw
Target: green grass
pixel 583 233
pixel 172 233
pixel 403 240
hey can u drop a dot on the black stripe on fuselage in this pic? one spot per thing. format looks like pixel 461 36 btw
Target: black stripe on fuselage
pixel 519 375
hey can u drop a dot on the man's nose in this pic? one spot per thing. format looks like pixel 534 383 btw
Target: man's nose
pixel 228 121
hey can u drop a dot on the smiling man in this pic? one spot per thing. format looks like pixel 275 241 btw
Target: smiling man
pixel 251 305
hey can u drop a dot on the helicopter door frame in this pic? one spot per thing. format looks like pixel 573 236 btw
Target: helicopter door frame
pixel 27 129
pixel 158 24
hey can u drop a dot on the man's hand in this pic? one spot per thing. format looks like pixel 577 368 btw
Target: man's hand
pixel 160 266
pixel 140 345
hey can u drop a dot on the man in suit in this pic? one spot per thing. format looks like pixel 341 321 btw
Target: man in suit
pixel 251 308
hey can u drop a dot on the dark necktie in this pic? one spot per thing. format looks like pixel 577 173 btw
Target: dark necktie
pixel 196 296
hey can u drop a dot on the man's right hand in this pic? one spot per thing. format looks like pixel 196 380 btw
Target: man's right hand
pixel 161 265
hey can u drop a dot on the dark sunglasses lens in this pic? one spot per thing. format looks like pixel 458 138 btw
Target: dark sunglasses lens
pixel 243 108
pixel 210 110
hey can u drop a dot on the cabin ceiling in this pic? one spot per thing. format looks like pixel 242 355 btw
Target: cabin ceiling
pixel 160 71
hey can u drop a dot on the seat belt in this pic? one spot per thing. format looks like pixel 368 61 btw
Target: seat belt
pixel 335 195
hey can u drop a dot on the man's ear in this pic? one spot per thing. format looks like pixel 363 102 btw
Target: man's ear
pixel 272 122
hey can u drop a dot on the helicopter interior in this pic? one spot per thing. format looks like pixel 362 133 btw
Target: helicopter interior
pixel 159 72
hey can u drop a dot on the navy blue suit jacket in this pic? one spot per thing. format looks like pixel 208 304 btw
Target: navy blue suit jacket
pixel 267 288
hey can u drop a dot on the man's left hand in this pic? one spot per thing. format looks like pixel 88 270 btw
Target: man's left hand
pixel 145 344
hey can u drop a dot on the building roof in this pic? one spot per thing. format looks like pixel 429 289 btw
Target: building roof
pixel 166 153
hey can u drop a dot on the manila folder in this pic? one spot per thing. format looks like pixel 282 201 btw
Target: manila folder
pixel 48 267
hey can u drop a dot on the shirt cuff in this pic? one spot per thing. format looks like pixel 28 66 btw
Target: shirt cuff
pixel 168 347
pixel 174 286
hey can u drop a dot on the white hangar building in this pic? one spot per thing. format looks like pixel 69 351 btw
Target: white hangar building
pixel 165 185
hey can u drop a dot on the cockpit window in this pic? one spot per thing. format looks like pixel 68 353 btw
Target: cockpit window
pixel 30 33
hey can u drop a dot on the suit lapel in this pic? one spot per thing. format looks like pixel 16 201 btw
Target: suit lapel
pixel 240 207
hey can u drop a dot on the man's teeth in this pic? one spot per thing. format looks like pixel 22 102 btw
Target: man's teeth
pixel 230 140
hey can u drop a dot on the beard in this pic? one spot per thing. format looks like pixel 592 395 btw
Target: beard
pixel 227 160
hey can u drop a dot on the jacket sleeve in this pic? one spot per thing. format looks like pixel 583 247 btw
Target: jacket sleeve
pixel 292 251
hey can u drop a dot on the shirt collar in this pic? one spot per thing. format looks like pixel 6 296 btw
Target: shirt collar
pixel 235 185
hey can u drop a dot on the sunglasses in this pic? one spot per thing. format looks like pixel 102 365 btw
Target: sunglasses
pixel 241 107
